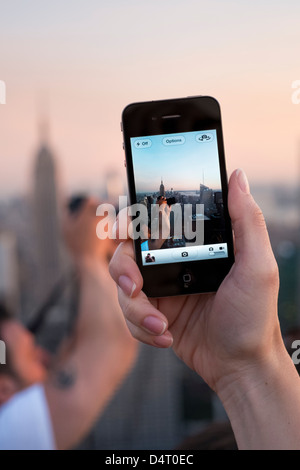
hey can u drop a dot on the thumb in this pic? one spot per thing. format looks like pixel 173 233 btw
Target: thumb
pixel 252 243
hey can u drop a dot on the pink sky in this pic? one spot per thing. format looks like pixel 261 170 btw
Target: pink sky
pixel 90 60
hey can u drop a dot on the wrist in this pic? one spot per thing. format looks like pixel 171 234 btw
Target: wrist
pixel 262 400
pixel 251 371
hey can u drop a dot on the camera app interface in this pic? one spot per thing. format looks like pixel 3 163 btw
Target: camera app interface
pixel 178 188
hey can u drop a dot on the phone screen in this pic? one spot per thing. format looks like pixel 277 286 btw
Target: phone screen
pixel 177 178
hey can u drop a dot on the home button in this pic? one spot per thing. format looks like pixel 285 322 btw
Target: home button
pixel 187 278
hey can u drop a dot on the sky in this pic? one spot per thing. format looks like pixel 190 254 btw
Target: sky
pixel 80 62
pixel 181 167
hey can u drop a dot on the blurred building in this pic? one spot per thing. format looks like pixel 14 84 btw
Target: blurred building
pixel 54 308
pixel 9 272
pixel 162 191
pixel 46 215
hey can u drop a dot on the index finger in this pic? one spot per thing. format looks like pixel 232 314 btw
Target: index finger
pixel 124 270
pixel 144 320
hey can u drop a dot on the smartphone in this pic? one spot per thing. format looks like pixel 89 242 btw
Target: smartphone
pixel 176 173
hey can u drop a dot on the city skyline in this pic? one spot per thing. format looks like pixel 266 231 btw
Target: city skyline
pixel 172 190
pixel 182 167
pixel 85 62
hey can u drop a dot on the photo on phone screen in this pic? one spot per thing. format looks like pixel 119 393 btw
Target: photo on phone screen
pixel 177 178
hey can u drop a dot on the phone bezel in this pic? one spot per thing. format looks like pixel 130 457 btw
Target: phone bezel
pixel 186 115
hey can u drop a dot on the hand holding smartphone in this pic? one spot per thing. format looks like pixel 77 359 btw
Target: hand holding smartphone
pixel 232 338
pixel 176 173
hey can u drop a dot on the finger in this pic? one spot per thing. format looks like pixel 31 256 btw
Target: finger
pixel 124 270
pixel 163 341
pixel 252 244
pixel 146 323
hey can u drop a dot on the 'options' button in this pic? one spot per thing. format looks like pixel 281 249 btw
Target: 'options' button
pixel 175 140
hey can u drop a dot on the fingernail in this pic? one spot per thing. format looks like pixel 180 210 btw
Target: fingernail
pixel 243 181
pixel 164 341
pixel 127 285
pixel 154 325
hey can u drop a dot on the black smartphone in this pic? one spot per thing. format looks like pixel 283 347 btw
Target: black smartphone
pixel 176 173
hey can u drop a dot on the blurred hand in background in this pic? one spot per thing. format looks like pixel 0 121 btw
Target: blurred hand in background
pixel 79 232
pixel 90 364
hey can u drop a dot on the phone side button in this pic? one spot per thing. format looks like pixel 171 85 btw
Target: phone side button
pixel 125 163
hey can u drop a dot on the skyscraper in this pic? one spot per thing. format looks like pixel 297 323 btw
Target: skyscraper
pixel 9 272
pixel 162 191
pixel 202 189
pixel 46 214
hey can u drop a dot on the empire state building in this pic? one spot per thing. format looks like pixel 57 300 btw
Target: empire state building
pixel 162 191
pixel 48 247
